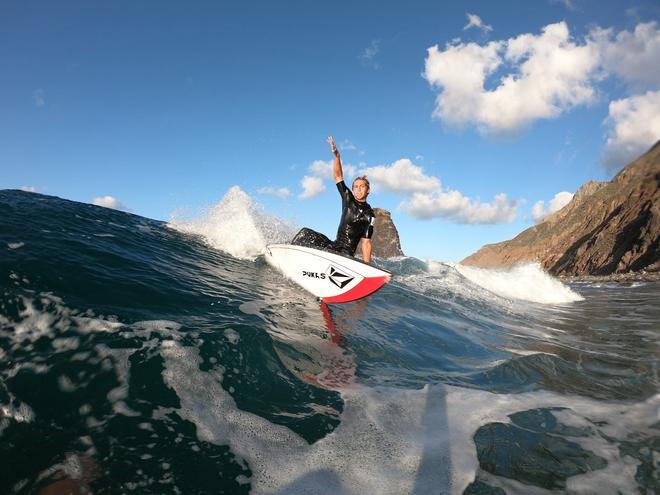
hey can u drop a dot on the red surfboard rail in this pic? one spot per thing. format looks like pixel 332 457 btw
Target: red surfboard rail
pixel 363 289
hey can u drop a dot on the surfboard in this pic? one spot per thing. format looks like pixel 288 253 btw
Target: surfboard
pixel 331 277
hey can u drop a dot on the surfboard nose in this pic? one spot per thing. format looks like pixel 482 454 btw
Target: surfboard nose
pixel 367 286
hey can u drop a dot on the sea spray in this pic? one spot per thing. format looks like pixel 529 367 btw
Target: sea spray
pixel 527 282
pixel 237 226
pixel 445 281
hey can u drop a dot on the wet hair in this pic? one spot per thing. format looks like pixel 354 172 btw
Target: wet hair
pixel 364 178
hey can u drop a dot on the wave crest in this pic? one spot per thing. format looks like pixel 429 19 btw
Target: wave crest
pixel 236 225
pixel 526 282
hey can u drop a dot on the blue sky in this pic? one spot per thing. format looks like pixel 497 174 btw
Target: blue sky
pixel 164 105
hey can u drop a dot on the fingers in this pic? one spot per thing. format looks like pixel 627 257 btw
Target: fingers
pixel 333 147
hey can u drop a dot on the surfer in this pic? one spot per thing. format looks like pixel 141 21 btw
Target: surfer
pixel 357 217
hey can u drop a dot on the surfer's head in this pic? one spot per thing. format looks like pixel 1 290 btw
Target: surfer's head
pixel 361 188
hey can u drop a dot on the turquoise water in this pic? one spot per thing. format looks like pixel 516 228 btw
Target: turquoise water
pixel 143 357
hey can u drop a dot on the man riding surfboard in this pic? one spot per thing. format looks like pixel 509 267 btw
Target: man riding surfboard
pixel 357 217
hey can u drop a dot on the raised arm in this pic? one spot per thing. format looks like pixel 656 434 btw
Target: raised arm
pixel 337 171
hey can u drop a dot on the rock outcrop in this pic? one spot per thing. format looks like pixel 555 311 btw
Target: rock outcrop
pixel 607 228
pixel 385 242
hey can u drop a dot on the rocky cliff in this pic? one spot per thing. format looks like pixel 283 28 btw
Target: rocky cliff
pixel 607 228
pixel 385 242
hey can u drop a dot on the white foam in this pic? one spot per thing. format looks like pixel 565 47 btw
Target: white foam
pixel 65 384
pixel 232 335
pixel 87 325
pixel 237 225
pixel 34 323
pixel 21 413
pixel 15 245
pixel 390 441
pixel 351 460
pixel 525 282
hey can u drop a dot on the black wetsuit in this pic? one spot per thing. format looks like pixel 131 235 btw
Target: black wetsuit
pixel 357 222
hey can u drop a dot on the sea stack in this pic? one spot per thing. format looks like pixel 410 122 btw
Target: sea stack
pixel 607 228
pixel 385 242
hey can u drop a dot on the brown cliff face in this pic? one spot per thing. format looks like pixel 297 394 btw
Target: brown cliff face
pixel 385 242
pixel 608 227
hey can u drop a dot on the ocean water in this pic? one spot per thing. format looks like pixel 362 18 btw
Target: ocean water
pixel 145 357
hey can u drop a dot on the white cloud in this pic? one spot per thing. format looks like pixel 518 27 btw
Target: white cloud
pixel 280 192
pixel 323 169
pixel 39 98
pixel 560 200
pixel 548 74
pixel 454 206
pixel 475 21
pixel 543 76
pixel 540 211
pixel 28 188
pixel 634 57
pixel 634 127
pixel 312 186
pixel 425 198
pixel 109 202
pixel 402 176
pixel 368 56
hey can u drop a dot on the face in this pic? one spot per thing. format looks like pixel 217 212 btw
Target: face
pixel 360 190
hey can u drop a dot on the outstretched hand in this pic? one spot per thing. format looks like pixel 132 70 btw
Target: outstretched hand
pixel 333 147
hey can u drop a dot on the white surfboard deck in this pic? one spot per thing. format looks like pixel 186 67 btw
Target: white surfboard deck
pixel 331 277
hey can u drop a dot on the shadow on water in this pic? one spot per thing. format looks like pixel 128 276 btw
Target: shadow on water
pixel 434 473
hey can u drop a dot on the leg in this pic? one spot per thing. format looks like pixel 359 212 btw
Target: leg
pixel 312 239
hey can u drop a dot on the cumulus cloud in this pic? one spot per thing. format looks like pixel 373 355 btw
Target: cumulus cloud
pixel 425 197
pixel 542 76
pixel 368 56
pixel 320 171
pixel 540 210
pixel 28 189
pixel 632 56
pixel 634 126
pixel 454 206
pixel 312 187
pixel 475 21
pixel 402 176
pixel 109 202
pixel 280 192
pixel 323 169
pixel 548 74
